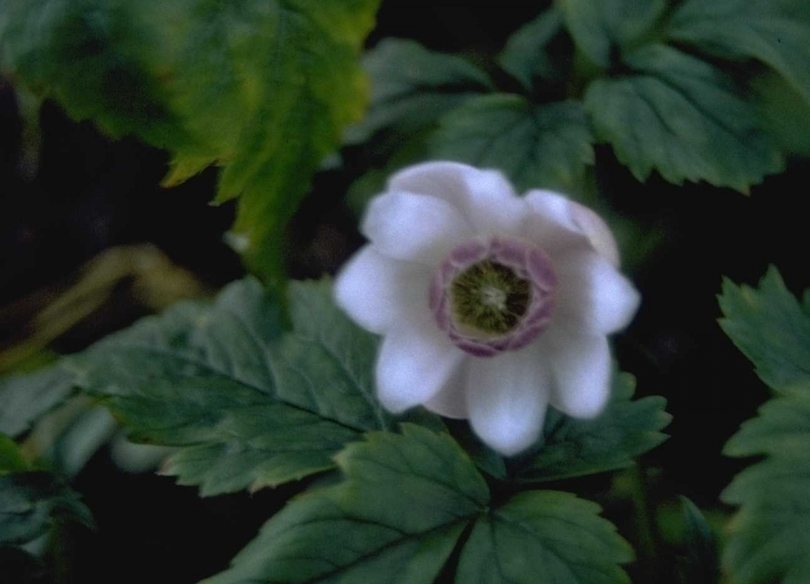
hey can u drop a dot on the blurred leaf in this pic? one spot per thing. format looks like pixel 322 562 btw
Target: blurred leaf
pixel 770 535
pixel 252 405
pixel 785 113
pixel 544 537
pixel 526 56
pixel 31 501
pixel 682 117
pixel 772 329
pixel 772 31
pixel 262 87
pixel 401 510
pixel 27 397
pixel 699 563
pixel 11 459
pixel 537 146
pixel 602 29
pixel 411 87
pixel 625 430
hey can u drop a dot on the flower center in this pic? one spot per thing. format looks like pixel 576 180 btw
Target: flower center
pixel 493 295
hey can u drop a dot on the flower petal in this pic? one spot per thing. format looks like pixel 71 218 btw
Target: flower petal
pixel 507 397
pixel 484 197
pixel 581 369
pixel 378 292
pixel 415 361
pixel 592 296
pixel 415 227
pixel 451 401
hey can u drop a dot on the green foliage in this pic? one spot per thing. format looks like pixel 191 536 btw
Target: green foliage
pixel 770 535
pixel 682 117
pixel 11 459
pixel 526 57
pixel 401 509
pixel 263 88
pixel 624 431
pixel 699 563
pixel 25 398
pixel 537 146
pixel 252 405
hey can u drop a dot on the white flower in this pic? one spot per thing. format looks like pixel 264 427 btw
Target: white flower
pixel 492 306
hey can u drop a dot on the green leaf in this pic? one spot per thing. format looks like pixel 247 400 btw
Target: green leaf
pixel 544 537
pixel 31 501
pixel 684 118
pixel 699 562
pixel 11 459
pixel 262 87
pixel 772 329
pixel 401 510
pixel 770 535
pixel 625 430
pixel 26 397
pixel 396 517
pixel 252 406
pixel 526 56
pixel 537 146
pixel 772 31
pixel 411 87
pixel 601 29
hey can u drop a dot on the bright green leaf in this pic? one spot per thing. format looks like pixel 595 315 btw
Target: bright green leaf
pixel 602 29
pixel 770 535
pixel 544 537
pixel 682 117
pixel 25 398
pixel 252 406
pixel 624 431
pixel 411 87
pixel 772 329
pixel 396 517
pixel 526 56
pixel 537 146
pixel 772 31
pixel 262 87
pixel 31 501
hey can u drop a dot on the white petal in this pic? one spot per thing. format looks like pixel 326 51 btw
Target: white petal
pixel 581 368
pixel 451 401
pixel 408 226
pixel 507 397
pixel 484 197
pixel 378 292
pixel 592 296
pixel 597 232
pixel 416 360
pixel 550 225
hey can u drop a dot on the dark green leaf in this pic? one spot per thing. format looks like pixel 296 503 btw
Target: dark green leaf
pixel 526 56
pixel 11 459
pixel 396 517
pixel 625 430
pixel 602 29
pixel 699 563
pixel 412 87
pixel 25 398
pixel 544 537
pixel 772 31
pixel 252 405
pixel 684 118
pixel 262 87
pixel 772 329
pixel 537 146
pixel 31 501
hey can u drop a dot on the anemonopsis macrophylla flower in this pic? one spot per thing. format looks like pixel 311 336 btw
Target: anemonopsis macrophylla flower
pixel 491 305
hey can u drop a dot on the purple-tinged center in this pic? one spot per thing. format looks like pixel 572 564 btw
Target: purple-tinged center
pixel 493 295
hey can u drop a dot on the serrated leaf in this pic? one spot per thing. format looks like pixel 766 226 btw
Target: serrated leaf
pixel 31 501
pixel 603 29
pixel 26 397
pixel 772 31
pixel 261 87
pixel 772 329
pixel 681 116
pixel 769 537
pixel 526 56
pixel 544 537
pixel 411 87
pixel 395 518
pixel 625 430
pixel 535 145
pixel 253 406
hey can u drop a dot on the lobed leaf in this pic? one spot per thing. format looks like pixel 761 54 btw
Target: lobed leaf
pixel 682 117
pixel 526 56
